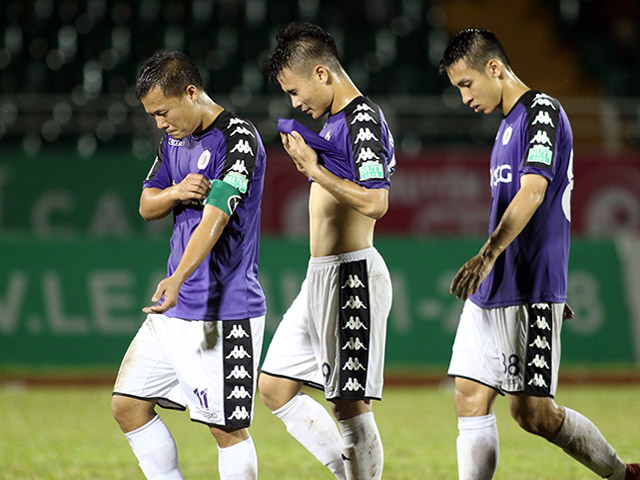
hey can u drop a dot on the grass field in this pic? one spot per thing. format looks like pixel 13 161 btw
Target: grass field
pixel 68 433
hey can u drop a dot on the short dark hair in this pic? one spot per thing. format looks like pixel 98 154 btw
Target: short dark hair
pixel 476 47
pixel 172 71
pixel 299 43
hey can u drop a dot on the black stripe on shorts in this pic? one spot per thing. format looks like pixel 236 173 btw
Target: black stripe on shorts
pixel 537 363
pixel 238 372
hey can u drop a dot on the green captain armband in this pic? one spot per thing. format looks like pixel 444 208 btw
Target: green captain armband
pixel 224 196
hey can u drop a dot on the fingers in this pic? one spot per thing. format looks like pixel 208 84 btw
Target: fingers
pixel 160 293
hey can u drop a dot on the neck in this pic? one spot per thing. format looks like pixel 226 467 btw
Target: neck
pixel 344 91
pixel 512 90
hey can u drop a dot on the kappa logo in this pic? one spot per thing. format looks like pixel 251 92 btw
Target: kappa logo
pixel 238 353
pixel 541 306
pixel 541 323
pixel 541 343
pixel 240 413
pixel 240 167
pixel 242 131
pixel 537 381
pixel 353 385
pixel 239 393
pixel 363 117
pixel 242 146
pixel 354 324
pixel 543 118
pixel 354 303
pixel 364 135
pixel 366 154
pixel 354 344
pixel 353 364
pixel 353 281
pixel 541 138
pixel 176 143
pixel 237 121
pixel 239 373
pixel 544 100
pixel 237 332
pixel 539 362
pixel 363 107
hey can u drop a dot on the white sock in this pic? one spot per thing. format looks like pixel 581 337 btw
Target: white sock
pixel 477 447
pixel 582 440
pixel 155 450
pixel 362 447
pixel 238 462
pixel 312 425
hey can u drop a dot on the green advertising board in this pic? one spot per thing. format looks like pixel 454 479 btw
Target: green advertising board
pixel 78 301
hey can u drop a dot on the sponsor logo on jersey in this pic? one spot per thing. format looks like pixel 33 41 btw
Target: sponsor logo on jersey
pixel 353 385
pixel 176 143
pixel 544 100
pixel 363 117
pixel 541 343
pixel 242 146
pixel 354 303
pixel 501 174
pixel 237 332
pixel 539 362
pixel 543 118
pixel 237 121
pixel 370 170
pixel 354 323
pixel 538 381
pixel 353 281
pixel 237 180
pixel 239 392
pixel 242 131
pixel 364 135
pixel 205 413
pixel 540 154
pixel 541 323
pixel 354 343
pixel 239 413
pixel 238 352
pixel 506 136
pixel 353 364
pixel 203 161
pixel 239 373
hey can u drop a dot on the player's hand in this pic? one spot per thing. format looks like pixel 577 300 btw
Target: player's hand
pixel 470 276
pixel 167 288
pixel 193 187
pixel 304 157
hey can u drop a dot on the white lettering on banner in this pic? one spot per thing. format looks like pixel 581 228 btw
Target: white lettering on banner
pixel 110 217
pixel 60 321
pixel 49 204
pixel 12 301
pixel 583 291
pixel 110 292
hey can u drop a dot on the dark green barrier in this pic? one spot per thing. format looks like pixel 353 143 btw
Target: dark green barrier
pixel 78 302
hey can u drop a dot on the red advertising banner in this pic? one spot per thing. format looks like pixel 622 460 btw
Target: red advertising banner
pixel 441 192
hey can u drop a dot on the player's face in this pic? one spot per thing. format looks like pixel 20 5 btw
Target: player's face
pixel 177 116
pixel 309 92
pixel 482 91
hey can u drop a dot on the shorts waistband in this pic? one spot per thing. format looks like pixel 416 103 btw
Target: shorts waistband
pixel 343 257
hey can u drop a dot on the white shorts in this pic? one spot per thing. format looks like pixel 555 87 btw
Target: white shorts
pixel 512 349
pixel 333 335
pixel 209 367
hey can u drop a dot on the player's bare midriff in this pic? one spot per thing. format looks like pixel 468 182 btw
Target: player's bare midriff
pixel 335 228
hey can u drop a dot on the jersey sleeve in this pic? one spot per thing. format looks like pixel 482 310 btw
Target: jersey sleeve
pixel 543 118
pixel 239 154
pixel 158 176
pixel 371 145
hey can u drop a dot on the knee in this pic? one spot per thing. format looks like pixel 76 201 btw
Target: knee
pixel 275 392
pixel 131 413
pixel 543 418
pixel 119 408
pixel 473 399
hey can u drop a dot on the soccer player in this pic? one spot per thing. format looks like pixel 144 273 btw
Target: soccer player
pixel 333 335
pixel 508 338
pixel 200 346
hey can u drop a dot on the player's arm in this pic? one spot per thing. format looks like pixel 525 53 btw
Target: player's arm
pixel 215 217
pixel 372 202
pixel 156 203
pixel 515 218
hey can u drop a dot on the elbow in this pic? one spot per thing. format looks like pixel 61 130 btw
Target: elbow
pixel 146 214
pixel 376 212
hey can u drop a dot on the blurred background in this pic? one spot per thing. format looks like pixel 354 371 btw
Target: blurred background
pixel 77 263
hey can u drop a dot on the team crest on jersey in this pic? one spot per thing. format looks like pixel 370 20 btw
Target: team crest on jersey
pixel 506 136
pixel 203 161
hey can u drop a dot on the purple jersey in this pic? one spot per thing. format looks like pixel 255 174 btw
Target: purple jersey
pixel 534 138
pixel 355 143
pixel 225 285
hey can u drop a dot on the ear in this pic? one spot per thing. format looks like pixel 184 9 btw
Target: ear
pixel 321 73
pixel 191 92
pixel 494 68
